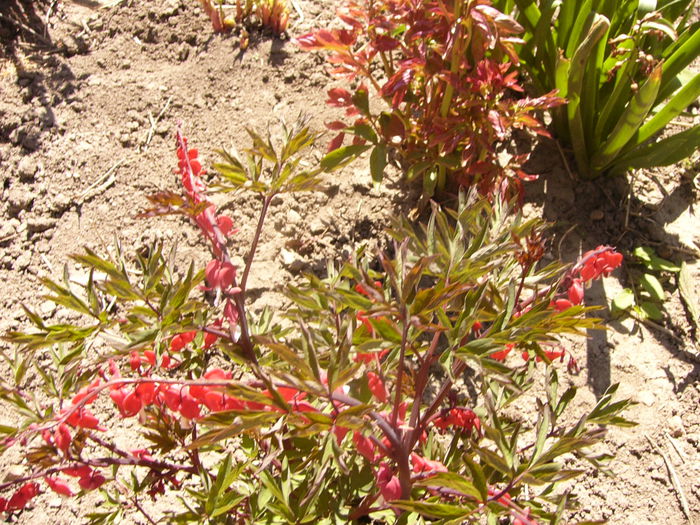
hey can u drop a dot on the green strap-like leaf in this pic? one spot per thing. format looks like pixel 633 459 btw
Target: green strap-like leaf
pixel 680 101
pixel 630 121
pixel 581 19
pixel 566 18
pixel 681 58
pixel 599 27
pixel 615 102
pixel 663 153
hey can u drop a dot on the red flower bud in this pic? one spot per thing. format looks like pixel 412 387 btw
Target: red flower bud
pixel 22 496
pixel 62 437
pixel 364 446
pixel 170 395
pixel 340 433
pixel 214 401
pixel 189 406
pixel 376 386
pixel 85 419
pixel 141 453
pixel 389 485
pixel 561 304
pixel 91 482
pixel 421 464
pixel 210 339
pixel 87 391
pixel 135 360
pixel 220 274
pixel 146 392
pixel 78 472
pixel 501 355
pixel 575 292
pixel 59 486
pixel 225 224
pixel 180 341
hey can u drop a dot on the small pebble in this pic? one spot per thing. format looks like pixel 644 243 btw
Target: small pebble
pixel 597 215
pixel 675 426
pixel 646 397
pixel 40 224
pixel 27 168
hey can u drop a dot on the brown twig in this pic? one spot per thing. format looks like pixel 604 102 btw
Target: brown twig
pixel 674 479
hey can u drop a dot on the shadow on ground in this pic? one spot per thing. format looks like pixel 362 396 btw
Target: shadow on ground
pixel 586 214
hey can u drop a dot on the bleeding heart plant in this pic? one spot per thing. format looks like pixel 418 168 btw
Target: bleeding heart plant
pixel 387 391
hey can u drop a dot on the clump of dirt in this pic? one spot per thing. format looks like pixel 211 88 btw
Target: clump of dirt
pixel 92 95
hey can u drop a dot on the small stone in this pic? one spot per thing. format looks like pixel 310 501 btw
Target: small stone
pixel 43 246
pixel 317 227
pixel 133 125
pixel 126 64
pixel 19 199
pixel 597 215
pixel 646 397
pixel 293 217
pixel 675 426
pixel 14 472
pixel 7 232
pixel 40 224
pixel 27 169
pixel 47 308
pixel 55 503
pixel 291 260
pixel 169 8
pixel 183 53
pixel 47 117
pixel 125 140
pixel 694 439
pixel 59 204
pixel 31 138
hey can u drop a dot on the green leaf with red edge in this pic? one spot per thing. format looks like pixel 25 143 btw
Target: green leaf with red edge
pixel 377 163
pixel 341 156
pixel 262 147
pixel 364 130
pixel 361 100
pixel 288 354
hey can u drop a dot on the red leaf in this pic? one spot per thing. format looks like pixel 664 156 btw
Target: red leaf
pixel 336 142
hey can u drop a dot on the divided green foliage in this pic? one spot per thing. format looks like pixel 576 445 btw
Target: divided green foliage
pixel 392 388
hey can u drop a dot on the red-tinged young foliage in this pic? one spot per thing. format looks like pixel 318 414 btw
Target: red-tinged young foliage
pixel 445 71
pixel 272 15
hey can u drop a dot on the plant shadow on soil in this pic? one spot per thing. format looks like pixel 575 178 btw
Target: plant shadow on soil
pixel 27 44
pixel 608 211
